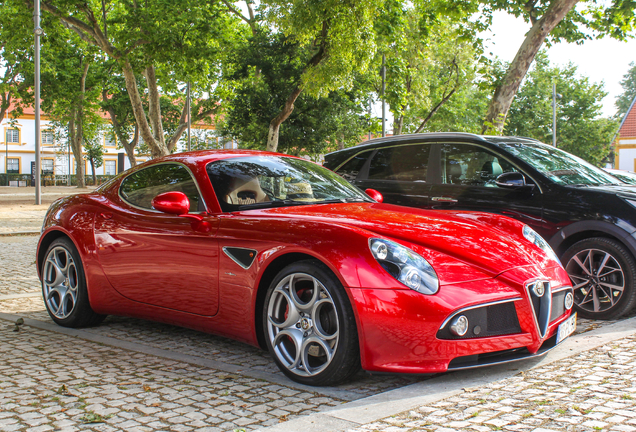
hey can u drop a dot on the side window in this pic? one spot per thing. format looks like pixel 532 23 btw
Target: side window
pixel 142 186
pixel 403 163
pixel 350 170
pixel 465 164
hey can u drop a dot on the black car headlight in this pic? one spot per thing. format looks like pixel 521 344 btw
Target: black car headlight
pixel 405 265
pixel 534 238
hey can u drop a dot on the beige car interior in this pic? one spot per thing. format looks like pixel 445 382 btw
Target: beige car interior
pixel 242 192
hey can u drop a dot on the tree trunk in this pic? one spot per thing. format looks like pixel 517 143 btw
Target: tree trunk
pixel 505 93
pixel 93 171
pixel 274 126
pixel 156 149
pixel 76 149
pixel 154 107
pixel 129 146
pixel 399 124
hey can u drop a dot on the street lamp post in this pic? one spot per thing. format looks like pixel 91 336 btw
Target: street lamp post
pixel 38 32
pixel 383 95
pixel 555 96
pixel 189 122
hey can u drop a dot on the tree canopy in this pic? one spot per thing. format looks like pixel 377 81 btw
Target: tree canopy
pixel 625 99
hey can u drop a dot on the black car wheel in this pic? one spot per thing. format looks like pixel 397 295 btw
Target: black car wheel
pixel 64 286
pixel 602 272
pixel 309 325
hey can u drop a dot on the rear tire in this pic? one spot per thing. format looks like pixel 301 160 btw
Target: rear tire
pixel 64 286
pixel 602 271
pixel 309 326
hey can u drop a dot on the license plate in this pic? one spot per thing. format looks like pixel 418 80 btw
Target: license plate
pixel 566 328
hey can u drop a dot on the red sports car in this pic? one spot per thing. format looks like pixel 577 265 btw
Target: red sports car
pixel 281 253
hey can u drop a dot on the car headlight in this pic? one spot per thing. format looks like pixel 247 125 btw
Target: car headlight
pixel 405 265
pixel 536 239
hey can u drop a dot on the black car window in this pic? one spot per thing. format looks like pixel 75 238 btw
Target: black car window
pixel 140 187
pixel 350 170
pixel 465 164
pixel 404 163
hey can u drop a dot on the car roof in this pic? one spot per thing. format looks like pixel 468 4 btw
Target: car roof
pixel 432 136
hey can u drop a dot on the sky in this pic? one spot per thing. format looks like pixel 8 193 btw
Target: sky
pixel 605 60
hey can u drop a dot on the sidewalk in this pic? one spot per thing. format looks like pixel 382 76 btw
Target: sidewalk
pixel 19 214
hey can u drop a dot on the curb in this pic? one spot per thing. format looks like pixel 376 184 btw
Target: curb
pixel 362 411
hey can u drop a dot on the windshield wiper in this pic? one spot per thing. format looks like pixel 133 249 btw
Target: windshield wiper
pixel 341 200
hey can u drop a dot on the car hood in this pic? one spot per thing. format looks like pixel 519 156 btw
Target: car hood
pixel 491 243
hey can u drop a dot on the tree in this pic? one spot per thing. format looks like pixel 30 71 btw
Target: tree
pixel 557 20
pixel 168 41
pixel 427 64
pixel 116 103
pixel 625 100
pixel 71 86
pixel 340 38
pixel 580 129
pixel 265 69
pixel 16 56
pixel 94 155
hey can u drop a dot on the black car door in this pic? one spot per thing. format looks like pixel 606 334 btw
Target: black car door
pixel 401 173
pixel 467 182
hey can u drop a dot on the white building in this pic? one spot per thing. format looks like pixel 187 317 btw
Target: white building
pixel 17 149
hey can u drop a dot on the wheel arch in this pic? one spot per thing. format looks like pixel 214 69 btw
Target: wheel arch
pixel 45 241
pixel 267 276
pixel 578 231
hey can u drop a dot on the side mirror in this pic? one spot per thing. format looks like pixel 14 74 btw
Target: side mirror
pixel 375 195
pixel 172 202
pixel 513 180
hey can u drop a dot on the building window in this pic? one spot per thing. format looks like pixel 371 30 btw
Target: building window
pixel 13 165
pixel 13 136
pixel 47 138
pixel 109 141
pixel 48 166
pixel 110 167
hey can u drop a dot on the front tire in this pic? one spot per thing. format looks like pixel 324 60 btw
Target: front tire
pixel 309 325
pixel 602 272
pixel 64 286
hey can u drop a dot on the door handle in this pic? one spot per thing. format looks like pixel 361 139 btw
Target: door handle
pixel 106 215
pixel 443 199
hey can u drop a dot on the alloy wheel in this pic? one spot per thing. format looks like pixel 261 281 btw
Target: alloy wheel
pixel 598 278
pixel 302 324
pixel 60 282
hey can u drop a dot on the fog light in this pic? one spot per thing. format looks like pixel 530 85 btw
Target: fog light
pixel 459 325
pixel 538 289
pixel 569 301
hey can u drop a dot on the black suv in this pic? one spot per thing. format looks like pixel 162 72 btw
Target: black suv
pixel 585 214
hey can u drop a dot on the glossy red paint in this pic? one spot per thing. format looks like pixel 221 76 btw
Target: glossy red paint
pixel 172 202
pixel 376 195
pixel 166 267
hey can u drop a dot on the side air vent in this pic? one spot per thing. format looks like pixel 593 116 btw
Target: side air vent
pixel 241 256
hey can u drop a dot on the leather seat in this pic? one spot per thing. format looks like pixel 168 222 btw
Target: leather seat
pixel 244 192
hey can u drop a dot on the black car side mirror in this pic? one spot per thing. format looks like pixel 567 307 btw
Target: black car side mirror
pixel 513 180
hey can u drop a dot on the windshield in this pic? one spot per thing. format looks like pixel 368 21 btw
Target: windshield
pixel 559 166
pixel 625 177
pixel 273 181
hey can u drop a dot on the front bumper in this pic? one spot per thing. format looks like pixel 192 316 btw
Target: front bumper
pixel 402 330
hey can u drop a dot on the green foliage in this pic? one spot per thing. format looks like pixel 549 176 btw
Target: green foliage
pixel 344 30
pixel 264 71
pixel 624 101
pixel 580 129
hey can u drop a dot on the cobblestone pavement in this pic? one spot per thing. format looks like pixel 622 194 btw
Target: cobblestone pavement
pixel 593 391
pixel 18 274
pixel 49 381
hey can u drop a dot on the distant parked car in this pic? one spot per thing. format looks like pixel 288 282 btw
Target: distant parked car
pixel 624 176
pixel 585 214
